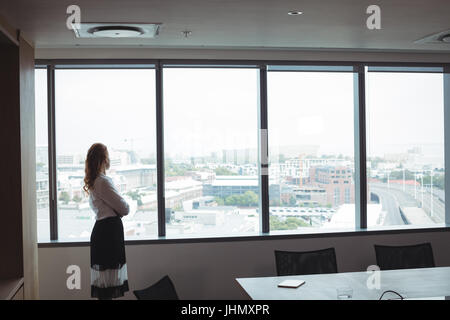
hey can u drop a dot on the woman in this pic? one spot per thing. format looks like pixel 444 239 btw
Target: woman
pixel 109 277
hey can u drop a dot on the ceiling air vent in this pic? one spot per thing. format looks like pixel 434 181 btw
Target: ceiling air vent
pixel 440 37
pixel 117 30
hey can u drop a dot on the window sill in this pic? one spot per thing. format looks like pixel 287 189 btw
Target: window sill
pixel 273 235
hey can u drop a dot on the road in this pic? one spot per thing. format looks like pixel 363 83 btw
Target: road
pixel 437 213
pixel 394 197
pixel 389 204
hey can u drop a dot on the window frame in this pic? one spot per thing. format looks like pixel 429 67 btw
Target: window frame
pixel 358 68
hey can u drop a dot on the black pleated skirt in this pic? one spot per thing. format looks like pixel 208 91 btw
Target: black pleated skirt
pixel 109 278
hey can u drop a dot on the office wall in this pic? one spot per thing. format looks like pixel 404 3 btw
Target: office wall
pixel 208 270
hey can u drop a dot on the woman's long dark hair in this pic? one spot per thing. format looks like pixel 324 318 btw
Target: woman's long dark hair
pixel 96 158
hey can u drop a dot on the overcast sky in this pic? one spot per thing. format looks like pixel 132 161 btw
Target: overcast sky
pixel 207 110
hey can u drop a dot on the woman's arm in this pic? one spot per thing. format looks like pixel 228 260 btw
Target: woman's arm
pixel 108 193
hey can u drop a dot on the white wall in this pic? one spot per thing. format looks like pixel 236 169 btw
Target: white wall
pixel 208 270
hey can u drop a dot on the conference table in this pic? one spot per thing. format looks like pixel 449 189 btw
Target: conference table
pixel 424 283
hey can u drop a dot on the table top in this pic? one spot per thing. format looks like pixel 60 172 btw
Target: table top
pixel 410 283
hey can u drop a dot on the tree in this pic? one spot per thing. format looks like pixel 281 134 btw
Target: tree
pixel 222 171
pixel 438 181
pixel 64 197
pixel 275 203
pixel 376 161
pixel 135 195
pixel 398 175
pixel 77 199
pixel 174 169
pixel 219 201
pixel 291 223
pixel 40 166
pixel 148 161
pixel 251 198
pixel 292 201
pixel 248 199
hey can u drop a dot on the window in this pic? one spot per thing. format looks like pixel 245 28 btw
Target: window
pixel 405 134
pixel 211 118
pixel 313 132
pixel 42 180
pixel 211 150
pixel 115 107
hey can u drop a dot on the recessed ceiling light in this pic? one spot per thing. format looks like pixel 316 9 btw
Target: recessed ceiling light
pixel 295 13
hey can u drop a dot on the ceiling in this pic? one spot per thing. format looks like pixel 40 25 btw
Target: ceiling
pixel 330 24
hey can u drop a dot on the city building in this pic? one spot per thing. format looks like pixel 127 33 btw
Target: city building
pixel 137 175
pixel 337 181
pixel 240 156
pixel 181 190
pixel 298 169
pixel 42 154
pixel 225 186
pixel 42 195
pixel 311 196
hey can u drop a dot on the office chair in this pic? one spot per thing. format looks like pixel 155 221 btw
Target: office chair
pixel 404 257
pixel 310 262
pixel 161 290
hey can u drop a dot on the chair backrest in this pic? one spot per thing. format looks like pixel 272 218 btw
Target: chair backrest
pixel 404 257
pixel 310 262
pixel 161 290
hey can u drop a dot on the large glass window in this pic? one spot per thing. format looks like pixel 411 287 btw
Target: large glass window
pixel 115 107
pixel 311 150
pixel 211 152
pixel 211 121
pixel 42 180
pixel 405 138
